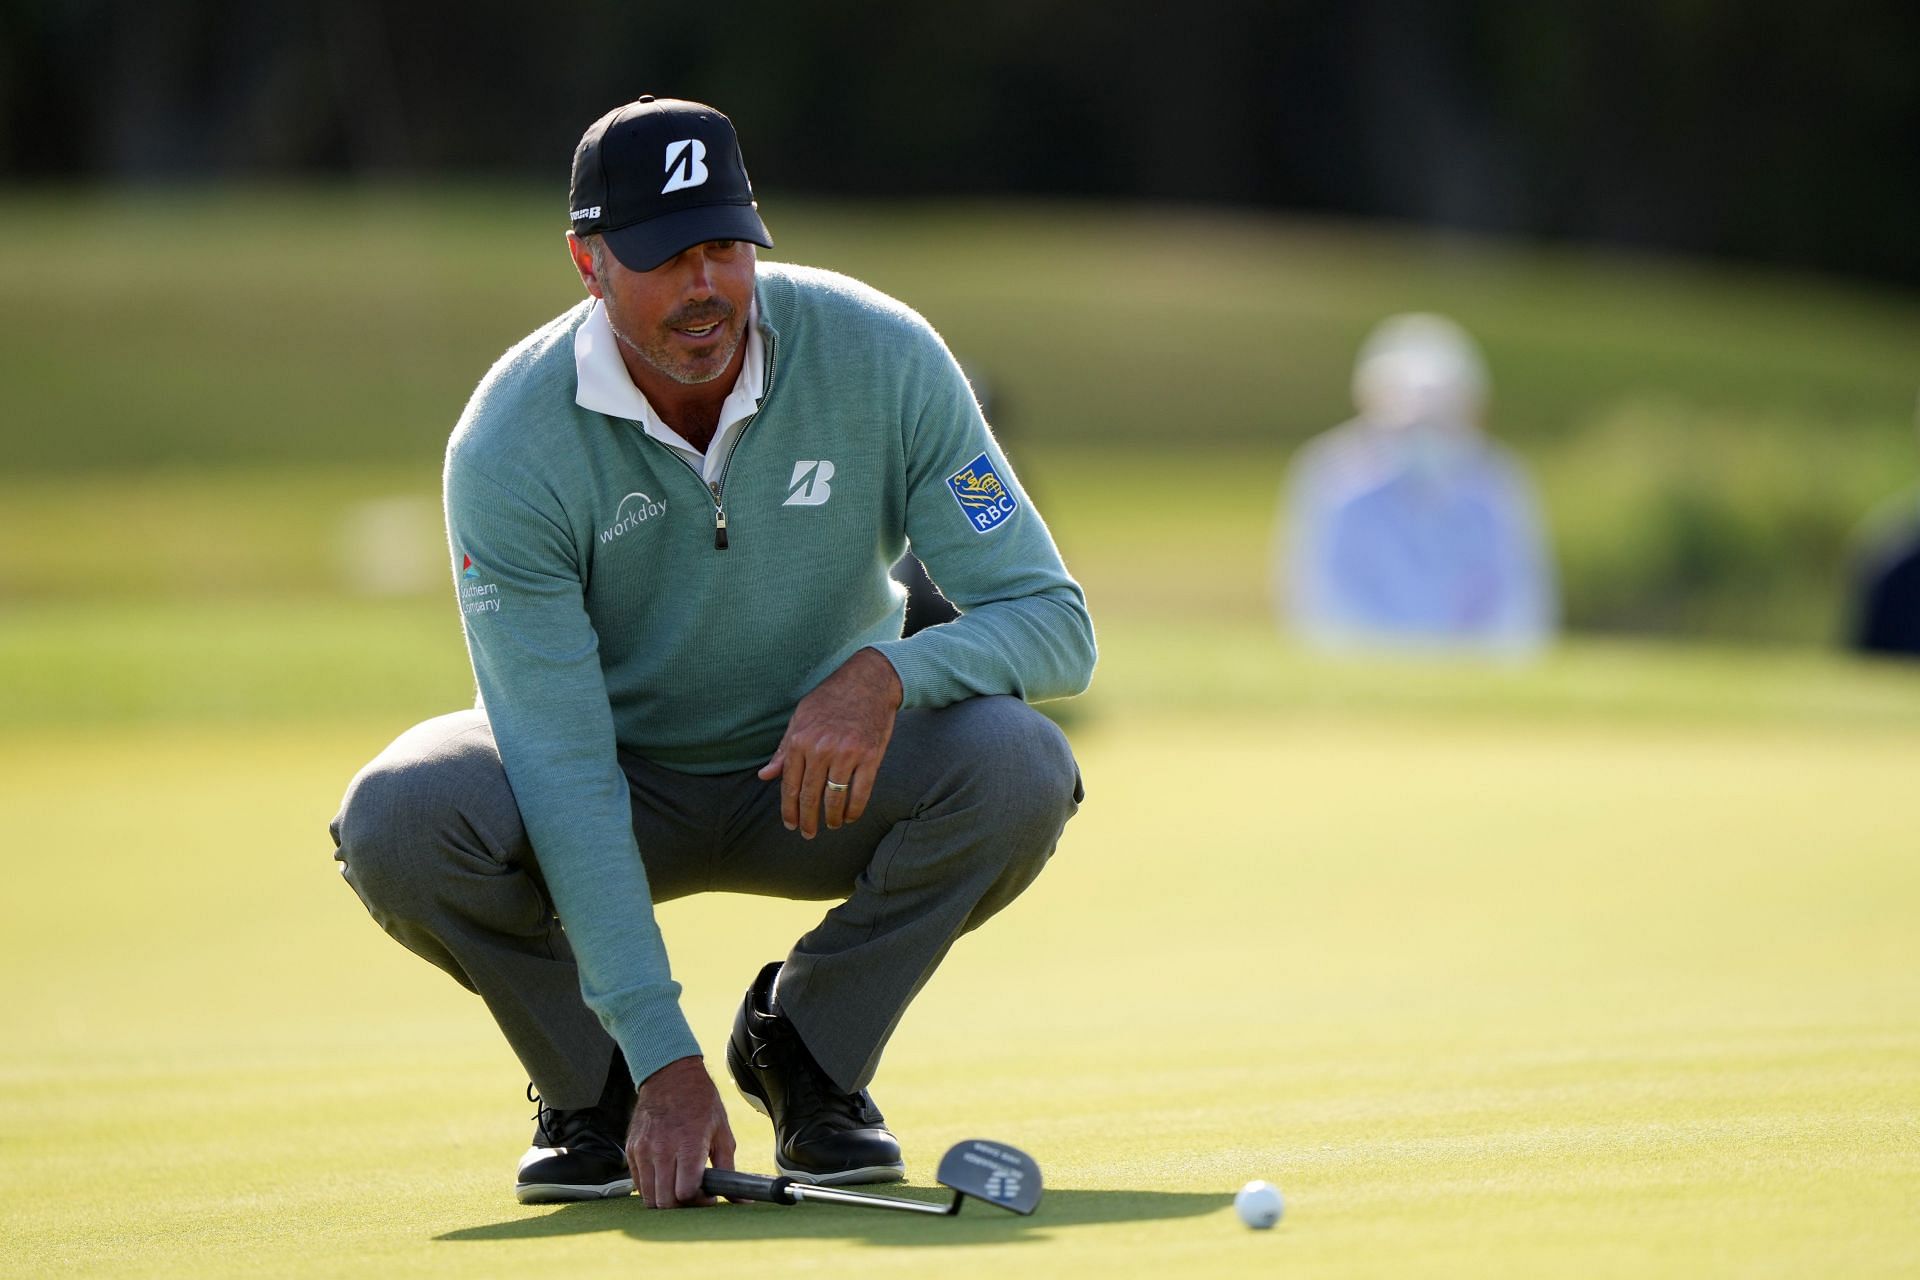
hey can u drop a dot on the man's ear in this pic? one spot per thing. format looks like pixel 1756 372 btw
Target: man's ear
pixel 583 263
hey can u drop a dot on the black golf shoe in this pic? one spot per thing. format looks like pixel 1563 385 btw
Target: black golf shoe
pixel 821 1133
pixel 579 1154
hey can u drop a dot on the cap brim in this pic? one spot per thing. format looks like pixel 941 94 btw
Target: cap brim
pixel 646 245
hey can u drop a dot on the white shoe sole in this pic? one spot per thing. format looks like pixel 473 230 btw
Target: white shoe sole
pixel 566 1192
pixel 847 1177
pixel 872 1173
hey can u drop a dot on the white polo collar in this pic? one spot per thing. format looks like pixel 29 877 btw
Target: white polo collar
pixel 604 386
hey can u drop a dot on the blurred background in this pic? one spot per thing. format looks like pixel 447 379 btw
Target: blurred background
pixel 253 257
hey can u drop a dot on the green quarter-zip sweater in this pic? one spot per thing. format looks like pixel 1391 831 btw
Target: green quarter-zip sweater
pixel 608 606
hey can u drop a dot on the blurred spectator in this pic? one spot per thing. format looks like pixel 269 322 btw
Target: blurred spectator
pixel 1408 527
pixel 1887 588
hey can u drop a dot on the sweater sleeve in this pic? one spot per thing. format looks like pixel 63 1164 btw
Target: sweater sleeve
pixel 1023 627
pixel 536 660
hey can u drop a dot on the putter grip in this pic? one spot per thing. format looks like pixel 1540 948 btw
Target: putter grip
pixel 746 1186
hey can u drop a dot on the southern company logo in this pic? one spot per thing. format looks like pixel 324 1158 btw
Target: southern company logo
pixel 476 596
pixel 981 495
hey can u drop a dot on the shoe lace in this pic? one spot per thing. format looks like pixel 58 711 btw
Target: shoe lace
pixel 560 1128
pixel 541 1112
pixel 810 1090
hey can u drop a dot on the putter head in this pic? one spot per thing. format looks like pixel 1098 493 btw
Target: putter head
pixel 991 1171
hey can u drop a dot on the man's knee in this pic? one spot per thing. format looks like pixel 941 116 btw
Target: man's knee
pixel 1019 764
pixel 437 795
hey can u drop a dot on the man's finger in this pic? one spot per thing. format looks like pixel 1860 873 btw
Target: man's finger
pixel 862 792
pixel 670 1177
pixel 667 1173
pixel 721 1149
pixel 648 1181
pixel 771 769
pixel 813 781
pixel 688 1169
pixel 835 797
pixel 869 774
pixel 792 772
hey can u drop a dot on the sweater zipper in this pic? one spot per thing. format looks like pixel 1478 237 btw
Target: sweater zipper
pixel 715 487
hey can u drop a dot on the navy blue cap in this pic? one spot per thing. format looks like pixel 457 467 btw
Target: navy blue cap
pixel 660 175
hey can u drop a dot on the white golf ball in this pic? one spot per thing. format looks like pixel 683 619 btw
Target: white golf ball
pixel 1259 1205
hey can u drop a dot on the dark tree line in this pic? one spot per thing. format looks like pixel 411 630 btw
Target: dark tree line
pixel 1772 130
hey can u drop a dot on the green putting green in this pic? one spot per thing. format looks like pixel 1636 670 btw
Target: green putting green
pixel 1570 971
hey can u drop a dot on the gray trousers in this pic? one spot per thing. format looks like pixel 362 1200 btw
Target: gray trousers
pixel 967 807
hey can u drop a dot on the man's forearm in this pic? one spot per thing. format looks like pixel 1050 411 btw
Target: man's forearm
pixel 1034 647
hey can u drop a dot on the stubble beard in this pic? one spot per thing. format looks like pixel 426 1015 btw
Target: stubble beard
pixel 688 371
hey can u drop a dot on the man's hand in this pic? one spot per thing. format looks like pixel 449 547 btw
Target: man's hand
pixel 837 734
pixel 678 1126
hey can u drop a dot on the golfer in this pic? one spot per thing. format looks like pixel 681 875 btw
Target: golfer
pixel 671 511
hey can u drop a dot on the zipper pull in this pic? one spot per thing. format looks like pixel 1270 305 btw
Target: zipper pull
pixel 719 528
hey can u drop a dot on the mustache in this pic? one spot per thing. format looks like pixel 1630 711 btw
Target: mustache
pixel 714 310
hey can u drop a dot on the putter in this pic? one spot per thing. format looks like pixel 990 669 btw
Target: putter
pixel 992 1172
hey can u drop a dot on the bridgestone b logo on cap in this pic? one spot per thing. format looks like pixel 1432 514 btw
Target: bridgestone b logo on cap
pixel 982 497
pixel 686 165
pixel 586 215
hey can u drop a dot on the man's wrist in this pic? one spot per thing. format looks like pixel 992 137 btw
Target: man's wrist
pixel 653 1033
pixel 693 1061
pixel 885 673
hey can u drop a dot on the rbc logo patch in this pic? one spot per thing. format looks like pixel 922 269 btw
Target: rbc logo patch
pixel 981 495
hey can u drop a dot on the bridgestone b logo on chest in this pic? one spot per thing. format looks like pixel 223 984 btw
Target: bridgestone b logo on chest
pixel 811 485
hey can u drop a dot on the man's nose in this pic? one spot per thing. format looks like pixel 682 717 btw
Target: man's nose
pixel 699 281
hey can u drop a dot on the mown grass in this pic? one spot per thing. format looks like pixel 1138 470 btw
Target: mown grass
pixel 1708 441
pixel 1524 982
pixel 267 662
pixel 1650 536
pixel 341 325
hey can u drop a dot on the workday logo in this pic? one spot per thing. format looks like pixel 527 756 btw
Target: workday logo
pixel 686 165
pixel 809 487
pixel 634 510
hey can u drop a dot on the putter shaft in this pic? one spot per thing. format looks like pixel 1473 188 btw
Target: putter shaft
pixel 991 1172
pixel 834 1195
